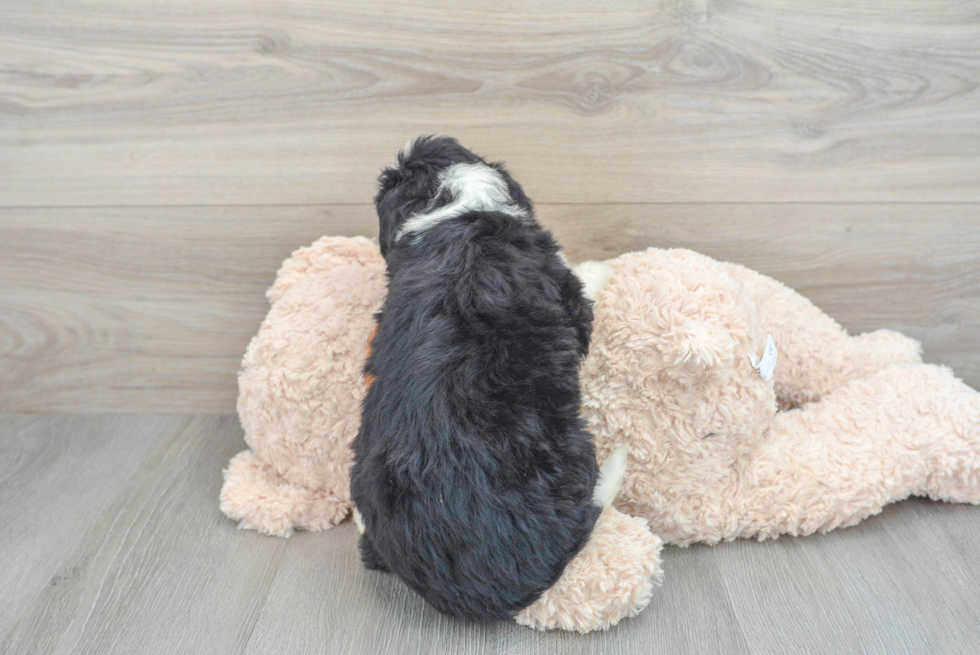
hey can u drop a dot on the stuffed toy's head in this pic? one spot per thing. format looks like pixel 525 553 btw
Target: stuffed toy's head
pixel 671 359
pixel 682 369
pixel 299 403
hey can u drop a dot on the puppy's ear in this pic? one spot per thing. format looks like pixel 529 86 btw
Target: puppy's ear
pixel 401 193
pixel 694 350
pixel 385 204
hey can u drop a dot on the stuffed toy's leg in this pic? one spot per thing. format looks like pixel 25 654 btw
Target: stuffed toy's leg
pixel 816 355
pixel 611 578
pixel 261 499
pixel 909 429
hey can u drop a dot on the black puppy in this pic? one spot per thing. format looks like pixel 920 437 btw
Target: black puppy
pixel 473 475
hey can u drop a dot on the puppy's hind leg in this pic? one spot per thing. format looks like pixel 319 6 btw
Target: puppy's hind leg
pixel 369 557
pixel 610 477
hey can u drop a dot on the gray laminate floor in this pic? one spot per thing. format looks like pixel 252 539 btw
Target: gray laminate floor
pixel 111 542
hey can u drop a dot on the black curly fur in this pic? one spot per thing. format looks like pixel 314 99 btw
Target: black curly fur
pixel 473 473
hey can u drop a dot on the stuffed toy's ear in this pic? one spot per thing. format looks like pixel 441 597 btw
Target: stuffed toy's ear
pixel 695 349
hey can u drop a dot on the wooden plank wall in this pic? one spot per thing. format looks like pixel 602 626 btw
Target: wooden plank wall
pixel 159 159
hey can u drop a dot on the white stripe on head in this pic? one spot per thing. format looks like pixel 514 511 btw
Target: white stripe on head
pixel 474 187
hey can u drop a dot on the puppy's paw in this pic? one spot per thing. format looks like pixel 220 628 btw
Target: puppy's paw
pixel 369 557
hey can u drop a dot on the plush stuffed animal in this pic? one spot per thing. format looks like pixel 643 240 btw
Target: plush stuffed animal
pixel 727 438
pixel 722 445
pixel 299 403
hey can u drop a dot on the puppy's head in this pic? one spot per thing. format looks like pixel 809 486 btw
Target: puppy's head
pixel 435 178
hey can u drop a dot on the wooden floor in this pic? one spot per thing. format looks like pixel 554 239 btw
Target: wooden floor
pixel 112 542
pixel 158 159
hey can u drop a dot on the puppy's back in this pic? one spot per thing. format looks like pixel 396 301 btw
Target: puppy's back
pixel 473 472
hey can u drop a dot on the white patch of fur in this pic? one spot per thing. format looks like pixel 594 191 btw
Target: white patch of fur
pixel 594 276
pixel 610 477
pixel 474 187
pixel 358 521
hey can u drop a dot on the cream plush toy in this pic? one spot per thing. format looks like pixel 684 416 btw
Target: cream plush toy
pixel 678 368
pixel 833 427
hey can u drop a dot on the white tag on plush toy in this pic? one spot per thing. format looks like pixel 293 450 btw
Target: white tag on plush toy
pixel 768 363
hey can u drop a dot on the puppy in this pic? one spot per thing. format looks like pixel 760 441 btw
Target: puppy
pixel 473 476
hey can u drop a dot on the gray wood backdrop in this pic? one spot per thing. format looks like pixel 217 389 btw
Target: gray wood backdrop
pixel 159 159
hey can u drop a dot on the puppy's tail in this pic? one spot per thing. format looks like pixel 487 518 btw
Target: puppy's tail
pixel 610 477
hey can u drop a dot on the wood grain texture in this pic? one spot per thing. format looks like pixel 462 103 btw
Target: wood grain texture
pixel 150 309
pixel 140 309
pixel 879 585
pixel 289 101
pixel 159 570
pixel 153 567
pixel 57 475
